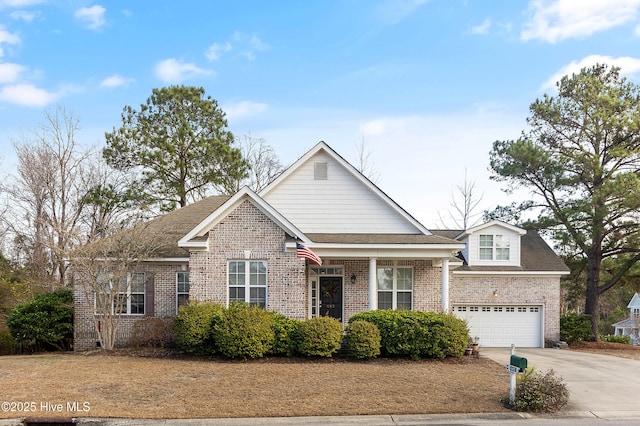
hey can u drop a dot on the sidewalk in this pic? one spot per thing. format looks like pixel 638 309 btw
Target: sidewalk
pixel 380 420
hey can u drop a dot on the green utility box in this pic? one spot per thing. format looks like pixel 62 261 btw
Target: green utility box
pixel 518 361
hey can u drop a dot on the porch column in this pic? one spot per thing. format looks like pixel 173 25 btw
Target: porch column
pixel 445 285
pixel 373 285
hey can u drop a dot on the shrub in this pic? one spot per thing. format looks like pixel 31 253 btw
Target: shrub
pixel 575 328
pixel 541 393
pixel 7 343
pixel 193 325
pixel 45 322
pixel 151 331
pixel 244 332
pixel 320 336
pixel 418 334
pixel 283 329
pixel 618 339
pixel 363 340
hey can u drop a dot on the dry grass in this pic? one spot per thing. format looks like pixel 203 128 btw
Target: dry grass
pixel 152 387
pixel 607 348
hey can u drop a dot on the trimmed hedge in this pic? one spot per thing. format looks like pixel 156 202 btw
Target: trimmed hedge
pixel 362 340
pixel 193 327
pixel 244 332
pixel 45 322
pixel 575 328
pixel 418 334
pixel 321 336
pixel 283 329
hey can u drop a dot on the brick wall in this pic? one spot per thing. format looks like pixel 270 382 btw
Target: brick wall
pixel 512 290
pixel 164 306
pixel 247 231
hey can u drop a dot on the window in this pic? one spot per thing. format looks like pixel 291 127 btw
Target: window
pixel 248 282
pixel 395 288
pixel 130 296
pixel 493 243
pixel 182 289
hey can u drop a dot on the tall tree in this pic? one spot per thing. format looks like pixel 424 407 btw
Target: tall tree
pixel 47 195
pixel 464 205
pixel 262 160
pixel 179 142
pixel 581 161
pixel 364 163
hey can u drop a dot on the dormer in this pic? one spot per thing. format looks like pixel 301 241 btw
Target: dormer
pixel 493 243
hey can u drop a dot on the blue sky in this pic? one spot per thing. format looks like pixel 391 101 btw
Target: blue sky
pixel 427 84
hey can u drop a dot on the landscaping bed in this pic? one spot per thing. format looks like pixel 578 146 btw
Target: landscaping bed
pixel 608 348
pixel 133 384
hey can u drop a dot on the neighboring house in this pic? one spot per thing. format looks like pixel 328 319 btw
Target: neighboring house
pixel 630 326
pixel 503 280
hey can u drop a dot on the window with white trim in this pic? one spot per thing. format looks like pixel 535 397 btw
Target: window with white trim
pixel 130 297
pixel 248 282
pixel 182 289
pixel 493 247
pixel 395 288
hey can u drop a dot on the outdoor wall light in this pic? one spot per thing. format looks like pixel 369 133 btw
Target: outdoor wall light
pixel 495 293
pixel 353 278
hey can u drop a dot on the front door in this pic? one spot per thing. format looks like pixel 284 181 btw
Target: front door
pixel 331 297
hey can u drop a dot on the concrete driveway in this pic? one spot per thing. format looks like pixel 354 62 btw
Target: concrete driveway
pixel 601 384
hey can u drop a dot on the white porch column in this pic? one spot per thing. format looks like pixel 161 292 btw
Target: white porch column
pixel 373 285
pixel 445 285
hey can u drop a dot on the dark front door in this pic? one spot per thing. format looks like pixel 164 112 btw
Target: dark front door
pixel 331 297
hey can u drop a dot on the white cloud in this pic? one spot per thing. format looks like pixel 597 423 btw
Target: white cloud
pixel 23 15
pixel 243 109
pixel 482 28
pixel 7 37
pixel 627 65
pixel 174 71
pixel 250 44
pixel 637 30
pixel 10 73
pixel 214 51
pixel 92 16
pixel 115 81
pixel 26 95
pixel 557 20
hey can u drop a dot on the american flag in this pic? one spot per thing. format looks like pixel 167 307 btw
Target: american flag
pixel 302 251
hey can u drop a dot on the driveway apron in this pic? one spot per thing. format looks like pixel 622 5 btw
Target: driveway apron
pixel 596 382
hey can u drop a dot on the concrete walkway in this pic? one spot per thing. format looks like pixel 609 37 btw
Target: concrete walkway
pixel 599 384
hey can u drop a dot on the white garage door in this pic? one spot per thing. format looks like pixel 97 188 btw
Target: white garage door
pixel 502 326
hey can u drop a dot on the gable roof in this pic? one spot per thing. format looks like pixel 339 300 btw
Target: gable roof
pixel 377 193
pixel 634 302
pixel 194 238
pixel 491 223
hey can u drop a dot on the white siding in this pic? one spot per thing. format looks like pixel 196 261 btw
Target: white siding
pixel 338 204
pixel 473 245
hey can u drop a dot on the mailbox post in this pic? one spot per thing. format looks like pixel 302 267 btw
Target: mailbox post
pixel 517 364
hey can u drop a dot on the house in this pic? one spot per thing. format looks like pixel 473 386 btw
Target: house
pixel 630 326
pixel 250 247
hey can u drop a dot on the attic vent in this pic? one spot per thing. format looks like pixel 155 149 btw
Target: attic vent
pixel 320 171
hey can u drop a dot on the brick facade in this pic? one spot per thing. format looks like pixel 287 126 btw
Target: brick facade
pixel 248 234
pixel 512 290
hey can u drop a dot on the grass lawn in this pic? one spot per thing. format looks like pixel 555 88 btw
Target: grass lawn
pixel 123 385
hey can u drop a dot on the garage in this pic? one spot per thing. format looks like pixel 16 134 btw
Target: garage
pixel 503 325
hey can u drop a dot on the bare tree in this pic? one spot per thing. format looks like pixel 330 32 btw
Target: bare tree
pixel 463 214
pixel 47 195
pixel 264 164
pixel 107 274
pixel 364 164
